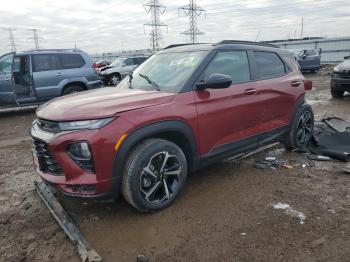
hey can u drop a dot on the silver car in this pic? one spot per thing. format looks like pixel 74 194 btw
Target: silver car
pixel 35 76
pixel 122 66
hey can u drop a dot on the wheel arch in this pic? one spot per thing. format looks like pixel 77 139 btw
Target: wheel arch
pixel 175 131
pixel 75 83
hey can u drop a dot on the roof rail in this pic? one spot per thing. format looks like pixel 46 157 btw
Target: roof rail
pixel 223 42
pixel 176 45
pixel 57 50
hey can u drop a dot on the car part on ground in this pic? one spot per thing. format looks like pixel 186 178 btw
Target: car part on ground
pixel 87 254
pixel 175 113
pixel 331 138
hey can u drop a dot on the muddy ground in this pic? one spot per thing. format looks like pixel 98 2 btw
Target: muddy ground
pixel 224 214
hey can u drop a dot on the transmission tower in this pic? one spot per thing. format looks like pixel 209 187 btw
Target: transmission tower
pixel 35 37
pixel 192 10
pixel 12 39
pixel 156 9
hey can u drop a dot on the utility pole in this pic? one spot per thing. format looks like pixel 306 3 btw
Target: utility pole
pixel 35 37
pixel 156 9
pixel 192 10
pixel 12 39
pixel 302 28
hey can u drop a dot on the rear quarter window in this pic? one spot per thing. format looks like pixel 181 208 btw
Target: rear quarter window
pixel 70 61
pixel 269 65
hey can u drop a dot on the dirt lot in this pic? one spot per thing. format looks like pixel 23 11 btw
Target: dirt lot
pixel 224 214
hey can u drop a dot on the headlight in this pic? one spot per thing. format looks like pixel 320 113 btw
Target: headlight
pixel 85 124
pixel 336 69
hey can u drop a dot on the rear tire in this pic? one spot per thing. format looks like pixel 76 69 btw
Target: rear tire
pixel 337 93
pixel 154 175
pixel 301 128
pixel 72 89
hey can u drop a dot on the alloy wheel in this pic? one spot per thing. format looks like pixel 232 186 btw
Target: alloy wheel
pixel 115 80
pixel 160 178
pixel 304 130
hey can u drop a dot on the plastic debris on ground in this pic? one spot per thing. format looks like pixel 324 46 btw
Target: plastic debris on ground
pixel 290 211
pixel 331 138
pixel 272 162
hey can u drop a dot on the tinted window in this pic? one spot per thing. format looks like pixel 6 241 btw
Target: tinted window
pixel 6 64
pixel 128 61
pixel 71 61
pixel 139 60
pixel 232 63
pixel 269 65
pixel 45 63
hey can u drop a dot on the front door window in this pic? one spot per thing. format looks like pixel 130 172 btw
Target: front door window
pixel 6 64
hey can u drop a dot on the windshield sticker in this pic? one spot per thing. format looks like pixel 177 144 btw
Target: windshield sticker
pixel 188 61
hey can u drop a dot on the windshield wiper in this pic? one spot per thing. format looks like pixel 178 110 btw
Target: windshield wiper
pixel 154 84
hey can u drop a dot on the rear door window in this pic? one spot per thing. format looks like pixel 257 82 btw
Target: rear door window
pixel 232 63
pixel 269 65
pixel 70 61
pixel 45 63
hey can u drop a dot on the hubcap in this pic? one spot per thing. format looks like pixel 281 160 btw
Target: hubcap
pixel 304 132
pixel 160 178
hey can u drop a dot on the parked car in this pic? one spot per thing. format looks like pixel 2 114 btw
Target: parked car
pixel 100 64
pixel 309 59
pixel 122 66
pixel 181 110
pixel 340 79
pixel 31 77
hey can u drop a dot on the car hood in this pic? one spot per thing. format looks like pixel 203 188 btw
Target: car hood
pixel 345 65
pixel 100 103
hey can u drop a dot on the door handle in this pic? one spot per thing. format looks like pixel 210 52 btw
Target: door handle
pixel 59 74
pixel 250 91
pixel 295 83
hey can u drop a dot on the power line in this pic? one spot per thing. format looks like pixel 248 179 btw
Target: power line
pixel 192 10
pixel 156 9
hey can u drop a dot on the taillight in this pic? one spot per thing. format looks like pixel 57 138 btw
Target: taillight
pixel 94 66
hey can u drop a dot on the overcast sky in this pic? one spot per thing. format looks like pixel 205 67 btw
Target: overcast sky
pixel 113 25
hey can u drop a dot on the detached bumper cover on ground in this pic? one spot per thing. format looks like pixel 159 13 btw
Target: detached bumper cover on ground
pixel 86 253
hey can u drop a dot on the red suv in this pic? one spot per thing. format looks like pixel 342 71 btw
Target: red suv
pixel 187 106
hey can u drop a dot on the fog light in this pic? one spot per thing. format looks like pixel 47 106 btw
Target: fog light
pixel 80 152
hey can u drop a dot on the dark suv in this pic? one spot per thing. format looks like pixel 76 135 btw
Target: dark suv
pixel 340 80
pixel 31 77
pixel 187 106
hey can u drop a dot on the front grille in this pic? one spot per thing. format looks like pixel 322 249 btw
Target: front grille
pixel 47 163
pixel 345 74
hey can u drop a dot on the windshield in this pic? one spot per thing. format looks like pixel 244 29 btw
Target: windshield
pixel 165 72
pixel 117 62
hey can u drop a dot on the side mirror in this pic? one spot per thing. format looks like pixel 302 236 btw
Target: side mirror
pixel 307 85
pixel 215 81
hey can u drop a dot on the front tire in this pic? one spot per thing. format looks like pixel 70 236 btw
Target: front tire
pixel 154 175
pixel 301 130
pixel 337 93
pixel 114 79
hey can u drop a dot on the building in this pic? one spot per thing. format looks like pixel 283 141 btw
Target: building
pixel 333 49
